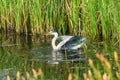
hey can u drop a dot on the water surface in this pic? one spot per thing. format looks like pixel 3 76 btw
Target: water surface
pixel 27 52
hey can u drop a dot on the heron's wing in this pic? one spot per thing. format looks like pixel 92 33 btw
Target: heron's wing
pixel 63 37
pixel 64 41
pixel 74 43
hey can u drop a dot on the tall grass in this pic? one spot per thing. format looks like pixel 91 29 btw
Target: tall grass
pixel 93 18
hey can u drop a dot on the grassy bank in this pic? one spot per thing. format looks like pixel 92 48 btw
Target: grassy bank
pixel 93 18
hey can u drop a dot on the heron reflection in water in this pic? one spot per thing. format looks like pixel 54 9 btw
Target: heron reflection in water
pixel 69 56
pixel 68 42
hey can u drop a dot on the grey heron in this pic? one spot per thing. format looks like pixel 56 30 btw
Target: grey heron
pixel 68 42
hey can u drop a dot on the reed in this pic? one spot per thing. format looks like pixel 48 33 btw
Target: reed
pixel 93 18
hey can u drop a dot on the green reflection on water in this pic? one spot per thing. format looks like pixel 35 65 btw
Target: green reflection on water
pixel 18 53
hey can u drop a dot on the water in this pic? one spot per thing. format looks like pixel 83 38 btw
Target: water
pixel 27 52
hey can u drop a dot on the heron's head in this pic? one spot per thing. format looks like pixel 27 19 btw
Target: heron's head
pixel 53 33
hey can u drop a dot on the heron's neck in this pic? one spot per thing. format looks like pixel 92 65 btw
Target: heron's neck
pixel 53 41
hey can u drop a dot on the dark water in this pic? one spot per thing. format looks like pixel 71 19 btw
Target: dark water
pixel 27 52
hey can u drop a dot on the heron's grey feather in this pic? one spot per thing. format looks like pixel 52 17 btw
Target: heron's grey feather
pixel 63 42
pixel 63 37
pixel 74 43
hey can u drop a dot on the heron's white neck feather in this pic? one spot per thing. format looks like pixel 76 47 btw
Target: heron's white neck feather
pixel 54 40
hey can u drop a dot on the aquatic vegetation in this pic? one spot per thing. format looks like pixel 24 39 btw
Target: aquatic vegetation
pixel 104 70
pixel 94 19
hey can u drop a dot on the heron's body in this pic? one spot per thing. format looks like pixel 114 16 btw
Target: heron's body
pixel 68 42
